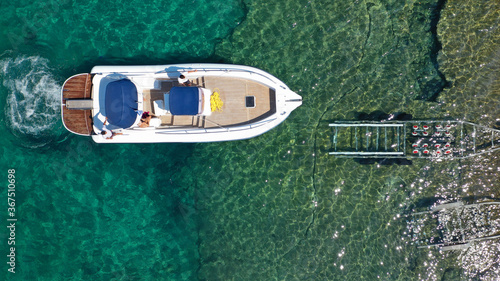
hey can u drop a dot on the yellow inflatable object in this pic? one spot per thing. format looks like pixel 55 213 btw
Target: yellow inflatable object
pixel 215 101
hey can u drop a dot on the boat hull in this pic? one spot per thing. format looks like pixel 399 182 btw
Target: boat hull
pixel 233 123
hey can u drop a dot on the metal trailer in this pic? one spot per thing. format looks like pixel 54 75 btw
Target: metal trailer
pixel 412 139
pixel 459 224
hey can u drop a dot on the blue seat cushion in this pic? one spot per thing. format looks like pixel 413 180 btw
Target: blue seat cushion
pixel 121 103
pixel 184 100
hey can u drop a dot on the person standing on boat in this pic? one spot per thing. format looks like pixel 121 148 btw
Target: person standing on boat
pixel 107 133
pixel 183 81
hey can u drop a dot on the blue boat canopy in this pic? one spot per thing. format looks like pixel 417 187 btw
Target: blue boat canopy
pixel 184 100
pixel 121 103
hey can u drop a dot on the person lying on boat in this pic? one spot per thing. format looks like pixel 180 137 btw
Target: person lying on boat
pixel 183 81
pixel 107 133
pixel 145 119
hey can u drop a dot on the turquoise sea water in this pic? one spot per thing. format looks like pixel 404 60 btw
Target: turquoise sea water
pixel 275 207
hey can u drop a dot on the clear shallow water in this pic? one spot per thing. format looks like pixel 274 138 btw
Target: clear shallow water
pixel 275 207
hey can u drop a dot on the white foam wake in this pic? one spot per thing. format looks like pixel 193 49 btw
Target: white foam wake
pixel 33 96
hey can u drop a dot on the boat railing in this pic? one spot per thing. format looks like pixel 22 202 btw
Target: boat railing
pixel 173 71
pixel 198 130
pixel 228 70
pixel 216 124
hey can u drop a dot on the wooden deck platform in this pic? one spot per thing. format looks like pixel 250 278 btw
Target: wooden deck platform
pixel 232 93
pixel 79 121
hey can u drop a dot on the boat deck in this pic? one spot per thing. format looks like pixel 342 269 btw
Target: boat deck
pixel 232 92
pixel 77 89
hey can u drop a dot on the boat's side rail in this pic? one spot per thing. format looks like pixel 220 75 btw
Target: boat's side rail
pixel 173 71
pixel 214 130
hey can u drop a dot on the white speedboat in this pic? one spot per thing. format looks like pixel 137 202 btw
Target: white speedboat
pixel 220 102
